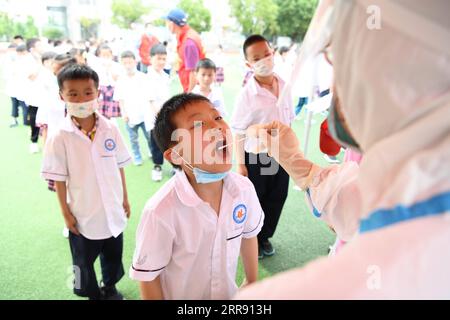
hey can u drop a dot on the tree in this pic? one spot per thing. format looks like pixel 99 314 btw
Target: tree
pixel 10 28
pixel 52 33
pixel 6 26
pixel 199 16
pixel 126 12
pixel 89 27
pixel 27 29
pixel 294 17
pixel 256 16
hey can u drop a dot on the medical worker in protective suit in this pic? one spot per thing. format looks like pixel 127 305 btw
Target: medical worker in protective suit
pixel 392 103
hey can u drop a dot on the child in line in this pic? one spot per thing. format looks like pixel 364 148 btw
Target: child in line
pixel 49 92
pixel 20 80
pixel 193 229
pixel 9 78
pixel 108 71
pixel 86 157
pixel 34 98
pixel 52 115
pixel 259 102
pixel 205 74
pixel 160 87
pixel 220 61
pixel 132 92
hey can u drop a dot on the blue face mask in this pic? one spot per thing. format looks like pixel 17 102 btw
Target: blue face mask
pixel 338 131
pixel 202 176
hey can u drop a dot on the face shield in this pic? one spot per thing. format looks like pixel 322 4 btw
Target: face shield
pixel 391 62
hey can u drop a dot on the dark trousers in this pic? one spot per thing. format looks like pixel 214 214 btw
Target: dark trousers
pixel 157 156
pixel 32 112
pixel 271 182
pixel 85 252
pixel 16 104
pixel 142 67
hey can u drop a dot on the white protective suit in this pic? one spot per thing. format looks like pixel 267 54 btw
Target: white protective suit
pixel 394 87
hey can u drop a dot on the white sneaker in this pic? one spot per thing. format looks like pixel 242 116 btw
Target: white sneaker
pixel 157 174
pixel 34 148
pixel 65 232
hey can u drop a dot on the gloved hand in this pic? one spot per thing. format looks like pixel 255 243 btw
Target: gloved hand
pixel 283 145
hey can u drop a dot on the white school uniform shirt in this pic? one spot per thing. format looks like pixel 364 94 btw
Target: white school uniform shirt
pixel 34 88
pixel 195 252
pixel 24 66
pixel 135 92
pixel 91 172
pixel 8 74
pixel 256 105
pixel 160 89
pixel 53 112
pixel 216 98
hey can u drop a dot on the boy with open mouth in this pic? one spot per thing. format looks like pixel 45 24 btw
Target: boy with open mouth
pixel 194 228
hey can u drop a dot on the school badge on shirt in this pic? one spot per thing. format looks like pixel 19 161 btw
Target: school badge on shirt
pixel 240 213
pixel 110 144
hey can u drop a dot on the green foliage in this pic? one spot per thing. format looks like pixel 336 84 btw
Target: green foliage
pixel 126 12
pixel 199 17
pixel 159 22
pixel 274 17
pixel 52 33
pixel 6 26
pixel 294 17
pixel 9 28
pixel 256 16
pixel 89 27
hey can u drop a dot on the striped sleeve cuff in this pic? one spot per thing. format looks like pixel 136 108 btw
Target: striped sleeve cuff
pixel 144 275
pixel 54 176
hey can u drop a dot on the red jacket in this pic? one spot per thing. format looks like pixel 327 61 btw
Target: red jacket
pixel 147 42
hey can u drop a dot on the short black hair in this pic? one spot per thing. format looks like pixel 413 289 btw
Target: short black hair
pixel 164 125
pixel 31 43
pixel 18 37
pixel 65 58
pixel 128 54
pixel 21 48
pixel 158 49
pixel 77 72
pixel 77 51
pixel 48 56
pixel 251 40
pixel 205 64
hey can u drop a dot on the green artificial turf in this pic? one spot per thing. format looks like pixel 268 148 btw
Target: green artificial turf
pixel 35 261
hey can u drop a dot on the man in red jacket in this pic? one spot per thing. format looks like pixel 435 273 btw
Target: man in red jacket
pixel 189 47
pixel 147 42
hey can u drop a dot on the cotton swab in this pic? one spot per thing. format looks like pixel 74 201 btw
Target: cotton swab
pixel 231 143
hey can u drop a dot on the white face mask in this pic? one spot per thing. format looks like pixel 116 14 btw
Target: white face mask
pixel 82 110
pixel 264 67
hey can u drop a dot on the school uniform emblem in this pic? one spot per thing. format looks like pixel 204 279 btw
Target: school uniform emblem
pixel 240 213
pixel 110 145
